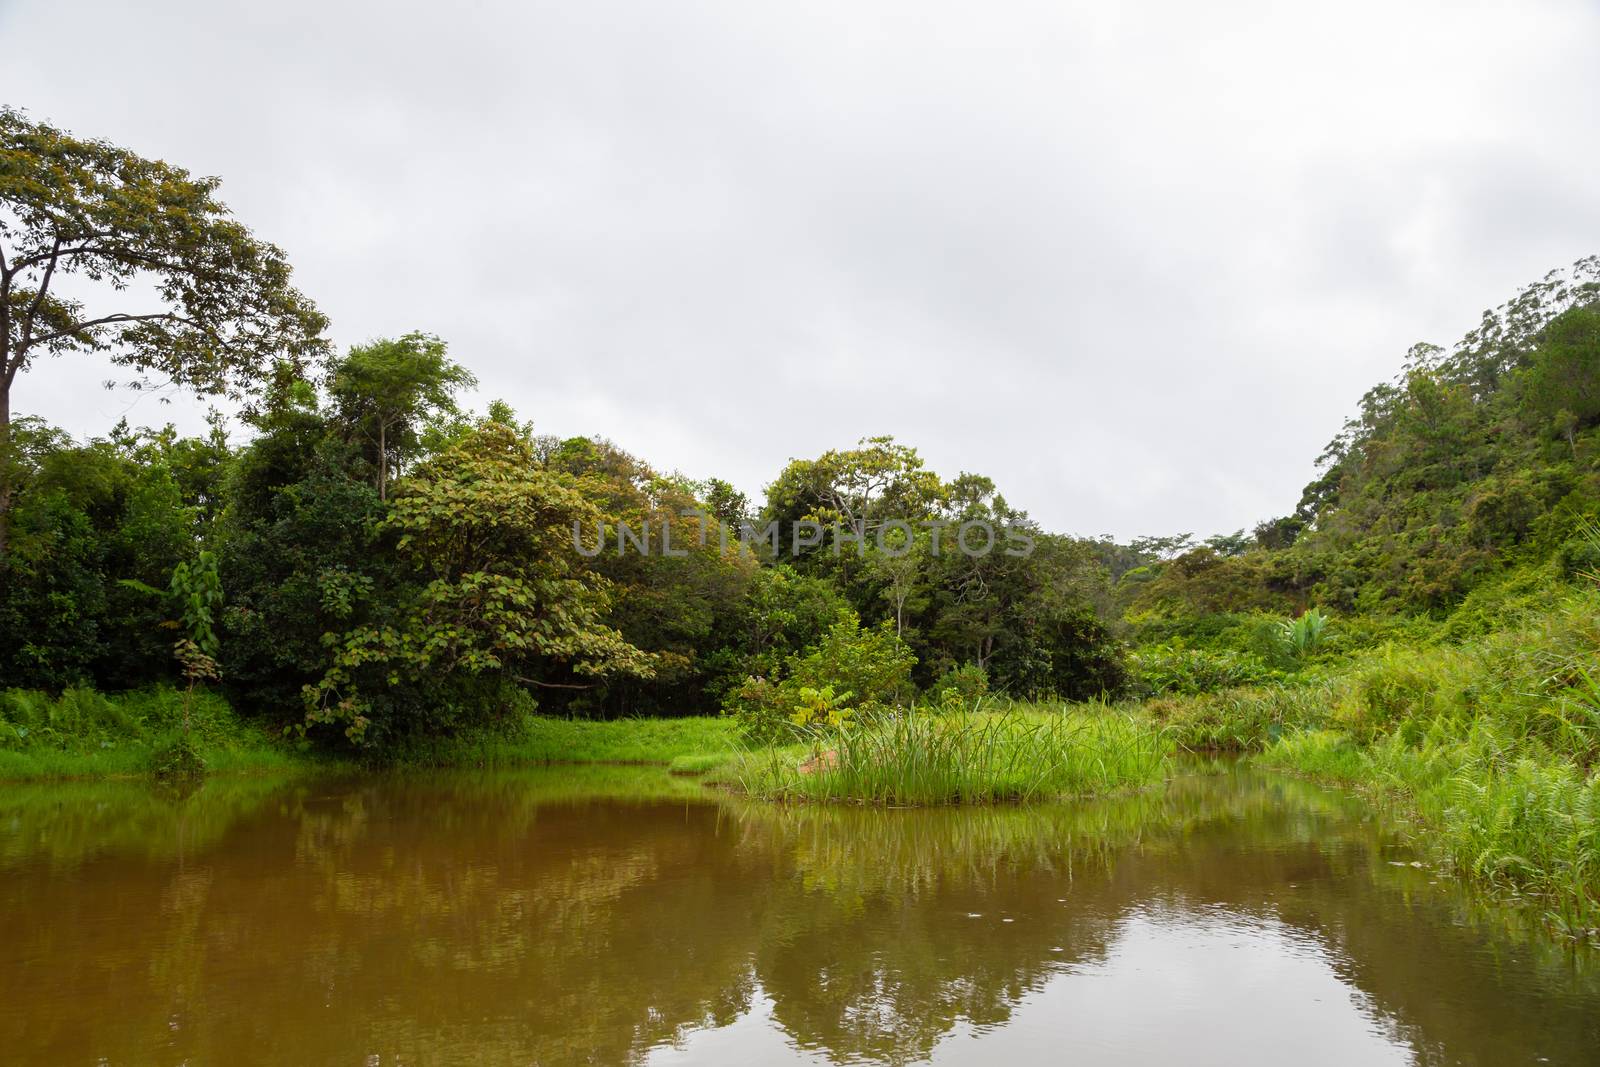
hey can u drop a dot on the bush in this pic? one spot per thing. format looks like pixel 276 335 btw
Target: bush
pixel 1241 720
pixel 84 720
pixel 1302 638
pixel 870 668
pixel 177 760
pixel 964 686
pixel 1173 668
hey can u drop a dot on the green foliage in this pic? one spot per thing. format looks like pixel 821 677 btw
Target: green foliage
pixel 870 662
pixel 1241 720
pixel 965 686
pixel 1302 638
pixel 871 667
pixel 821 708
pixel 1514 820
pixel 86 220
pixel 177 760
pixel 1175 668
pixel 902 757
pixel 385 390
pixel 83 733
pixel 197 593
pixel 493 593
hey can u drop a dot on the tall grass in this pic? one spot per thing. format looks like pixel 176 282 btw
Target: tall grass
pixel 693 742
pixel 82 733
pixel 964 757
pixel 1519 821
pixel 1491 748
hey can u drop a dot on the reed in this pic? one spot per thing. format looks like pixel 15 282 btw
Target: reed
pixel 971 756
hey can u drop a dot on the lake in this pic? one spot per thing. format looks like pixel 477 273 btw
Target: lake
pixel 615 915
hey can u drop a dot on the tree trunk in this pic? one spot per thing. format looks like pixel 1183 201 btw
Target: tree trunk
pixel 383 462
pixel 5 460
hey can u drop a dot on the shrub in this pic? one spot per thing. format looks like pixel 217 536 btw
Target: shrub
pixel 873 664
pixel 1241 720
pixel 1303 637
pixel 1173 668
pixel 964 685
pixel 177 760
pixel 1398 687
pixel 871 668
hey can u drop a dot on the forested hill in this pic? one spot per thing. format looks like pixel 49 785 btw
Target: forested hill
pixel 1473 470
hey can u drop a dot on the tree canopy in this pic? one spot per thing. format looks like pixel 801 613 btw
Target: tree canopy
pixel 164 279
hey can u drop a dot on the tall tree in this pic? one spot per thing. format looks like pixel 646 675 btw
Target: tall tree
pixel 496 592
pixel 164 279
pixel 386 389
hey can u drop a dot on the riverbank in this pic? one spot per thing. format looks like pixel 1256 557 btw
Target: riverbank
pixel 1488 749
pixel 82 734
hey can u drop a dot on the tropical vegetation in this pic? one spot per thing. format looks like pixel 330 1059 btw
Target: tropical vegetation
pixel 359 566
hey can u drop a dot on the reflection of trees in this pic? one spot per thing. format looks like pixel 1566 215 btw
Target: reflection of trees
pixel 515 917
pixel 431 922
pixel 64 823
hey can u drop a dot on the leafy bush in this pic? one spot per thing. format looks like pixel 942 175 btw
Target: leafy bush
pixel 821 708
pixel 870 667
pixel 964 686
pixel 177 759
pixel 1172 668
pixel 1241 720
pixel 84 720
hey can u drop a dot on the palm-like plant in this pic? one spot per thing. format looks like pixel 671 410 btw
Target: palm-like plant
pixel 1302 637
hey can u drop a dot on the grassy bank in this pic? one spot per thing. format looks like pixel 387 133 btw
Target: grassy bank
pixel 691 743
pixel 85 734
pixel 960 757
pixel 1488 747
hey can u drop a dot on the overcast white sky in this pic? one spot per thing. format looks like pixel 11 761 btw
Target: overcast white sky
pixel 1135 262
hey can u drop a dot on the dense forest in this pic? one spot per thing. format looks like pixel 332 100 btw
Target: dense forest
pixel 359 556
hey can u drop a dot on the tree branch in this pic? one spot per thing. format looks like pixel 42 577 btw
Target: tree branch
pixel 35 260
pixel 89 324
pixel 5 313
pixel 38 298
pixel 550 685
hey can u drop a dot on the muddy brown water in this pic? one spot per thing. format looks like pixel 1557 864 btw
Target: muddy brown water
pixel 606 915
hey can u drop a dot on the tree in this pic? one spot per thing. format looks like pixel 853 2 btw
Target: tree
pixel 495 590
pixel 196 592
pixel 874 481
pixel 1562 383
pixel 385 390
pixel 901 566
pixel 222 312
pixel 1229 544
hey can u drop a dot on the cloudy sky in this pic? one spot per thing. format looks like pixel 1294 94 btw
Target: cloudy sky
pixel 1135 262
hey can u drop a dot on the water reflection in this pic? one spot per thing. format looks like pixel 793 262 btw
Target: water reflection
pixel 606 916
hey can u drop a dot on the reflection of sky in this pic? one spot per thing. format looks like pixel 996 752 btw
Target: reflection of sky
pixel 1177 987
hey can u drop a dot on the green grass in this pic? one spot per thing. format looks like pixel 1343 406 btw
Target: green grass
pixel 965 757
pixel 1521 821
pixel 1488 748
pixel 695 763
pixel 85 734
pixel 688 743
